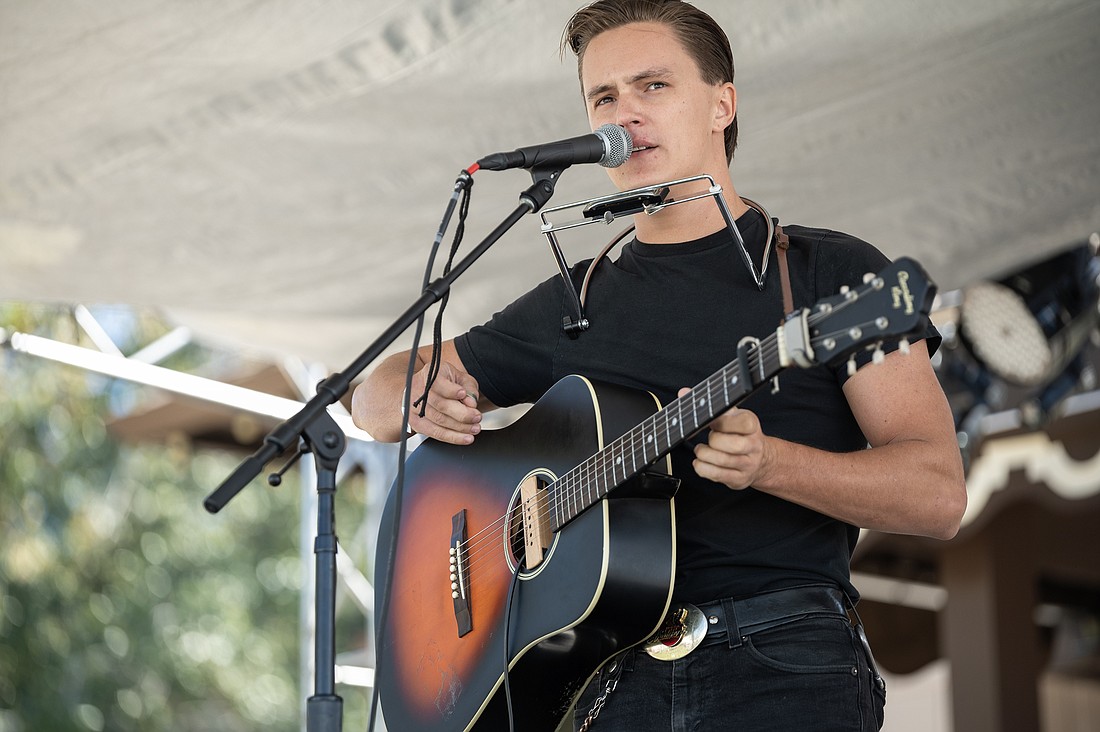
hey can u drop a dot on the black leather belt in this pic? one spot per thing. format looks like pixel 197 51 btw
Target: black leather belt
pixel 740 618
pixel 687 627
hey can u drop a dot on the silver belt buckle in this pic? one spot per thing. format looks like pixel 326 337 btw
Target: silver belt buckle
pixel 683 629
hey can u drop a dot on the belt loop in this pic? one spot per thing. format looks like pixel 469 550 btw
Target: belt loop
pixel 733 630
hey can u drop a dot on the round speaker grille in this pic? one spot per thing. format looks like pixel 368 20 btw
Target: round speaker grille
pixel 1004 335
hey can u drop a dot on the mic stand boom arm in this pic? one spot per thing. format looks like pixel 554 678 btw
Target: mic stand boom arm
pixel 314 427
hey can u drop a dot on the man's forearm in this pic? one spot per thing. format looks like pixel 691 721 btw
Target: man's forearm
pixel 376 403
pixel 909 487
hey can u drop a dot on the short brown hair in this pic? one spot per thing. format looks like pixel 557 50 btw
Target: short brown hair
pixel 700 35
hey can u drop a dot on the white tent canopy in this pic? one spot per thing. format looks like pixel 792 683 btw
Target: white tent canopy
pixel 272 172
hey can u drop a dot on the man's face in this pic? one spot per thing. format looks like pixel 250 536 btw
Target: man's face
pixel 640 77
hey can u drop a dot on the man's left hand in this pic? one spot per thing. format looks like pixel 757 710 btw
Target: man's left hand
pixel 736 452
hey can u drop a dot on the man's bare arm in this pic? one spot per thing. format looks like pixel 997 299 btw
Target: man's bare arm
pixel 453 411
pixel 910 481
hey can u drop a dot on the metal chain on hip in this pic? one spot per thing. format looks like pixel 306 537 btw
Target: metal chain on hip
pixel 616 670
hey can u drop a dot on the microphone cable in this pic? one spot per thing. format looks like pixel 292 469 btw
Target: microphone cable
pixel 461 188
pixel 437 335
pixel 507 627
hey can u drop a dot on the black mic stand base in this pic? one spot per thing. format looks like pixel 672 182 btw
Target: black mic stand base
pixel 324 713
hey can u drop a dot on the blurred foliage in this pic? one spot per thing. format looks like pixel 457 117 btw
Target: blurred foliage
pixel 123 604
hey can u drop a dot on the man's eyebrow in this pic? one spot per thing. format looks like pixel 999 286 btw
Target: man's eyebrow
pixel 601 89
pixel 597 91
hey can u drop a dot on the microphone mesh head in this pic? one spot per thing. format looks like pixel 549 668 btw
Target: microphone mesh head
pixel 617 145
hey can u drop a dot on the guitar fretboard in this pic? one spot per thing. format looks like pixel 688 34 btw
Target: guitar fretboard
pixel 628 455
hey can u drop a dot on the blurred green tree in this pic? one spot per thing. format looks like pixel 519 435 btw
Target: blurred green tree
pixel 123 604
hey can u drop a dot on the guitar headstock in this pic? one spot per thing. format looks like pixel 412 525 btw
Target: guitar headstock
pixel 887 307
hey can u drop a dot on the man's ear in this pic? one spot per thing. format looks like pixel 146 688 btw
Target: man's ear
pixel 725 108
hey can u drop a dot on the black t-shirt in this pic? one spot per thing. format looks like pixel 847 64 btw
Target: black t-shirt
pixel 668 316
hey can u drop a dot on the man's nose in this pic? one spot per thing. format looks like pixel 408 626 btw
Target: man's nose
pixel 627 112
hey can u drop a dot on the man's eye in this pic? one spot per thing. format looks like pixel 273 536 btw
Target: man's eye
pixel 603 100
pixel 657 85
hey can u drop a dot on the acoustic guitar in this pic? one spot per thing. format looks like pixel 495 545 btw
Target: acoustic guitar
pixel 548 546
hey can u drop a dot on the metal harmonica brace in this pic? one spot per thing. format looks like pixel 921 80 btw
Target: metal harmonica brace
pixel 646 200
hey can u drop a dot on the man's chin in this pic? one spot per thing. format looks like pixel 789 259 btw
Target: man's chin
pixel 629 180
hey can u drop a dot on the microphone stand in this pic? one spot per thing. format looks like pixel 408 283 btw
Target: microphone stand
pixel 318 433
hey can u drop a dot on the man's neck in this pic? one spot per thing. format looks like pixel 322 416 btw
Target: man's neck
pixel 688 221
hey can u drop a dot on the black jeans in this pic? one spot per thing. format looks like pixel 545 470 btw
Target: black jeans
pixel 808 674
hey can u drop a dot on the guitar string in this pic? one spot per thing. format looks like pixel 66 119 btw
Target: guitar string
pixel 606 463
pixel 573 483
pixel 576 481
pixel 610 461
pixel 594 465
pixel 571 487
pixel 613 458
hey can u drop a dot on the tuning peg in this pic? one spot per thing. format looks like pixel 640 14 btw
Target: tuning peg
pixel 852 365
pixel 903 346
pixel 878 356
pixel 872 279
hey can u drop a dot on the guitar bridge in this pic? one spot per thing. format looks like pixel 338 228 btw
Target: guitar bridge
pixel 460 576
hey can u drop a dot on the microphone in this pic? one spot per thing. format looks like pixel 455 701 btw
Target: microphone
pixel 610 146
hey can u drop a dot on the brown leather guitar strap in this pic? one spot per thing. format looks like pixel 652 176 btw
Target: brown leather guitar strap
pixel 782 244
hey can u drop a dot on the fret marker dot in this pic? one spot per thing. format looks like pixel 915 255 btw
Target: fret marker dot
pixel 674 420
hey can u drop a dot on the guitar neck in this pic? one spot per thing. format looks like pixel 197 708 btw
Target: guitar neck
pixel 893 303
pixel 653 438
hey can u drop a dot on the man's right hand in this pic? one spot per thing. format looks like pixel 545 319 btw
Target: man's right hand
pixel 451 413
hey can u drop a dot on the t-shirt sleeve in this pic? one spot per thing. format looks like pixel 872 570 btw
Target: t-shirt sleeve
pixel 511 355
